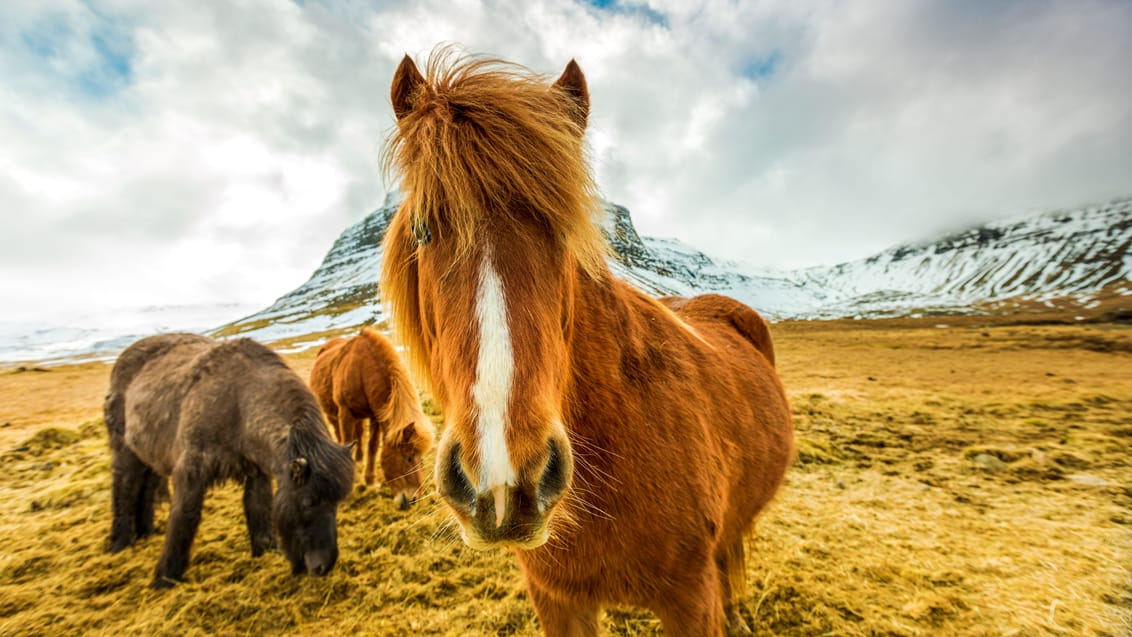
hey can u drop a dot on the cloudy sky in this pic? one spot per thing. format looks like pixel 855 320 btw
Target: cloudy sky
pixel 156 153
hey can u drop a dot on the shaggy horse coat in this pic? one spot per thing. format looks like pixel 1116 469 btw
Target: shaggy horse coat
pixel 363 378
pixel 187 407
pixel 621 445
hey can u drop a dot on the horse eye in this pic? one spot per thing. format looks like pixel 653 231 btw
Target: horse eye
pixel 308 503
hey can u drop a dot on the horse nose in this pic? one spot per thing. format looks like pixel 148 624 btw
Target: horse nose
pixel 453 482
pixel 320 562
pixel 403 501
pixel 555 476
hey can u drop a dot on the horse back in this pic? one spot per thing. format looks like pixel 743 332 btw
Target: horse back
pixel 356 374
pixel 147 385
pixel 715 307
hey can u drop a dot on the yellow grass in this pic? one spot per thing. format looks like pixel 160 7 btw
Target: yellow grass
pixel 961 480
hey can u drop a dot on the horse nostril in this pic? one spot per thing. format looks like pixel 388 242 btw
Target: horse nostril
pixel 320 562
pixel 555 477
pixel 454 484
pixel 403 502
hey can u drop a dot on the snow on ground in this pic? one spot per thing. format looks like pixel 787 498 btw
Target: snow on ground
pixel 102 336
pixel 1035 257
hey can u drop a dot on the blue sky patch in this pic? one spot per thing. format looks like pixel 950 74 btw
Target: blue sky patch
pixel 98 63
pixel 643 10
pixel 763 67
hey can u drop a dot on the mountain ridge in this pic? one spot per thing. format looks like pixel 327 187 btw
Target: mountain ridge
pixel 1033 257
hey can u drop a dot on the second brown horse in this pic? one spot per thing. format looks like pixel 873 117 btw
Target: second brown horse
pixel 362 378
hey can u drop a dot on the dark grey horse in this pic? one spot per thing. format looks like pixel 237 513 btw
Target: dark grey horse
pixel 199 411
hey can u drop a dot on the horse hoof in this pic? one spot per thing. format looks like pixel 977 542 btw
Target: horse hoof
pixel 118 547
pixel 264 547
pixel 737 626
pixel 162 583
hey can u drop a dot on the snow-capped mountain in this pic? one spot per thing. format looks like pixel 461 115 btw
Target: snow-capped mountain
pixel 341 293
pixel 1064 256
pixel 1056 254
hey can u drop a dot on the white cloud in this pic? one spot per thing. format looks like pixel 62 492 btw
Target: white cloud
pixel 199 152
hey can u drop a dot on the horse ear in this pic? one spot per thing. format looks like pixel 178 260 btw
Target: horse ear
pixel 407 80
pixel 573 83
pixel 408 433
pixel 300 471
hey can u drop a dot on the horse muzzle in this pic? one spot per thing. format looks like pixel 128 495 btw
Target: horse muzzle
pixel 510 515
pixel 320 562
pixel 403 500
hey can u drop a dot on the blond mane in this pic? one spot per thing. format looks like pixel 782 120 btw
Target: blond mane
pixel 484 140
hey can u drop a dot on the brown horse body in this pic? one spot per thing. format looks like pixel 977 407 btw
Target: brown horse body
pixel 362 378
pixel 621 445
pixel 198 411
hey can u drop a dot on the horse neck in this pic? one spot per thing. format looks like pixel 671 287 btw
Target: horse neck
pixel 285 417
pixel 403 404
pixel 605 327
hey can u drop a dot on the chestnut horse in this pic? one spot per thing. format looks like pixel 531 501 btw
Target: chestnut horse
pixel 363 378
pixel 621 445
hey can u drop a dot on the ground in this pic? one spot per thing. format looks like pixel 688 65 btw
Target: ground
pixel 954 477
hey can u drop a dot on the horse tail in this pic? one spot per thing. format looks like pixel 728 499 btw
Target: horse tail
pixel 128 365
pixel 114 415
pixel 737 569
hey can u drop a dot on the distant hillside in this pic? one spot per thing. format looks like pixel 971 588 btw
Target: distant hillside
pixel 1064 253
pixel 1054 254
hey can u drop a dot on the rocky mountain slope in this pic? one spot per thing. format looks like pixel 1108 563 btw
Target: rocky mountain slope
pixel 1034 257
pixel 1029 258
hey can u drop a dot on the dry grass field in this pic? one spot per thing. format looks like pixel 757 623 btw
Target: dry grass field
pixel 953 478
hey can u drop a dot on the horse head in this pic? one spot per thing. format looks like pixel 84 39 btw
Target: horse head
pixel 402 456
pixel 318 476
pixel 479 272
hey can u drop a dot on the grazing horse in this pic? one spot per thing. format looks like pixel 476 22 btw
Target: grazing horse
pixel 201 411
pixel 621 445
pixel 363 378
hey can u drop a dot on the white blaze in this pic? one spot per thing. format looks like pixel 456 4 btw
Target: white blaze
pixel 494 370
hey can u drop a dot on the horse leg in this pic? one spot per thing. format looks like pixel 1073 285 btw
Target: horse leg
pixel 257 511
pixel 695 610
pixel 373 446
pixel 128 483
pixel 349 428
pixel 333 415
pixel 731 567
pixel 189 486
pixel 143 515
pixel 359 433
pixel 561 619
